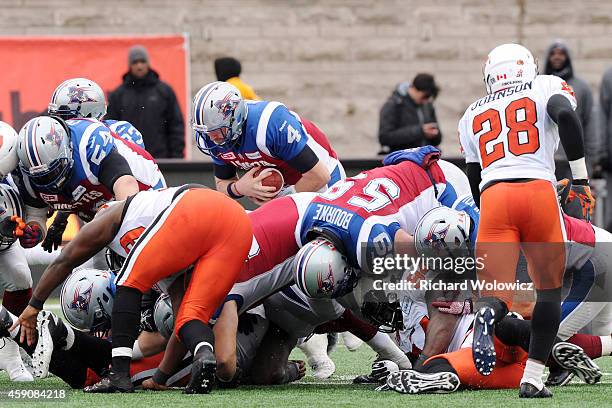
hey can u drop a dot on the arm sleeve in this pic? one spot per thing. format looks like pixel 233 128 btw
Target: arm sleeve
pixel 474 177
pixel 468 149
pixel 175 126
pixel 113 167
pixel 224 171
pixel 304 161
pixel 389 134
pixel 561 111
pixel 285 136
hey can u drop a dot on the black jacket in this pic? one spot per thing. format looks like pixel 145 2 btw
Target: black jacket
pixel 401 122
pixel 151 106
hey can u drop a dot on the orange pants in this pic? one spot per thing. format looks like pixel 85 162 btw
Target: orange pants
pixel 509 367
pixel 203 228
pixel 520 216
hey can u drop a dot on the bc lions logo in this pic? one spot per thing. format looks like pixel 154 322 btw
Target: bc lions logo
pixel 326 283
pixel 53 137
pixel 79 95
pixel 226 105
pixel 81 300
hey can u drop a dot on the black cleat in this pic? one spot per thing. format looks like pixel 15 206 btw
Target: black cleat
pixel 364 379
pixel 114 382
pixel 202 372
pixel 531 391
pixel 483 347
pixel 571 357
pixel 414 382
pixel 558 377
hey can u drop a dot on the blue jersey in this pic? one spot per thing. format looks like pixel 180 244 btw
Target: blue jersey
pixel 83 193
pixel 466 203
pixel 126 131
pixel 272 136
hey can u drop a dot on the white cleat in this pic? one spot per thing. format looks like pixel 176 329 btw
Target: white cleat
pixel 41 358
pixel 10 360
pixel 315 350
pixel 351 341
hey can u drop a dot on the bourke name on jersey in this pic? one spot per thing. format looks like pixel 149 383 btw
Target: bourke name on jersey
pixel 85 198
pixel 245 161
pixel 333 215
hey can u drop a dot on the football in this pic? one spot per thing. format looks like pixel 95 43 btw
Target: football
pixel 274 179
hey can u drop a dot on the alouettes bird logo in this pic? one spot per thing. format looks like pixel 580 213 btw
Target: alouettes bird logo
pixel 80 300
pixel 326 283
pixel 435 237
pixel 226 105
pixel 79 94
pixel 53 137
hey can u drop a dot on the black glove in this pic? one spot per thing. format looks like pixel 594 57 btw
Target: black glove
pixel 54 234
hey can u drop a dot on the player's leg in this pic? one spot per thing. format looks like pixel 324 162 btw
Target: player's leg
pixel 543 243
pixel 498 249
pixel 15 278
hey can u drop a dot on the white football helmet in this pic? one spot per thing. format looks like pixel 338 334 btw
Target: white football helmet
pixel 322 271
pixel 163 316
pixel 443 232
pixel 45 152
pixel 10 204
pixel 8 149
pixel 218 115
pixel 78 98
pixel 508 65
pixel 87 299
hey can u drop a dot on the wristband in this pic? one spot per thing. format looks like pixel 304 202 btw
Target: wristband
pixel 579 169
pixel 36 303
pixel 231 193
pixel 160 377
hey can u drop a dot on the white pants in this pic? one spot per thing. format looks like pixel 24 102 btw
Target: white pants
pixel 14 270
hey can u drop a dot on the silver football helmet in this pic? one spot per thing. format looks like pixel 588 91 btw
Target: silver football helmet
pixel 163 316
pixel 443 231
pixel 87 299
pixel 218 115
pixel 45 152
pixel 10 204
pixel 78 98
pixel 322 271
pixel 8 149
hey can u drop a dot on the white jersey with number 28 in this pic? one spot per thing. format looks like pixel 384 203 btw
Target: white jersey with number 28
pixel 510 133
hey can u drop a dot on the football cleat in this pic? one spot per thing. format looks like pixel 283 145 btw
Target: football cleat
pixel 558 377
pixel 483 347
pixel 571 357
pixel 10 360
pixel 414 382
pixel 112 383
pixel 203 372
pixel 41 358
pixel 529 390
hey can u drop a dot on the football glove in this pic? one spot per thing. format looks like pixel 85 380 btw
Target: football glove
pixel 580 202
pixel 54 234
pixel 11 227
pixel 31 236
pixel 457 307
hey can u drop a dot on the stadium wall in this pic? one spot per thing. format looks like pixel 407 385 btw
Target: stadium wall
pixel 336 61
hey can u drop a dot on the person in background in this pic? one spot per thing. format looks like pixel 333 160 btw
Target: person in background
pixel 605 103
pixel 228 69
pixel 150 105
pixel 408 118
pixel 559 63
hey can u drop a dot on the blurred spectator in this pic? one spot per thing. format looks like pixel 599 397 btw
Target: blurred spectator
pixel 228 70
pixel 408 118
pixel 605 102
pixel 559 63
pixel 150 105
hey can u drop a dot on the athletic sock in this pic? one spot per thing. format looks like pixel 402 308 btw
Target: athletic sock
pixel 544 323
pixel 125 325
pixel 351 323
pixel 592 345
pixel 533 373
pixel 194 333
pixel 388 350
pixel 606 345
pixel 16 301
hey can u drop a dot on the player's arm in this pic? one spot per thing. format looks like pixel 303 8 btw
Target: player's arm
pixel 315 174
pixel 561 111
pixel 89 241
pixel 474 177
pixel 225 331
pixel 116 175
pixel 469 151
